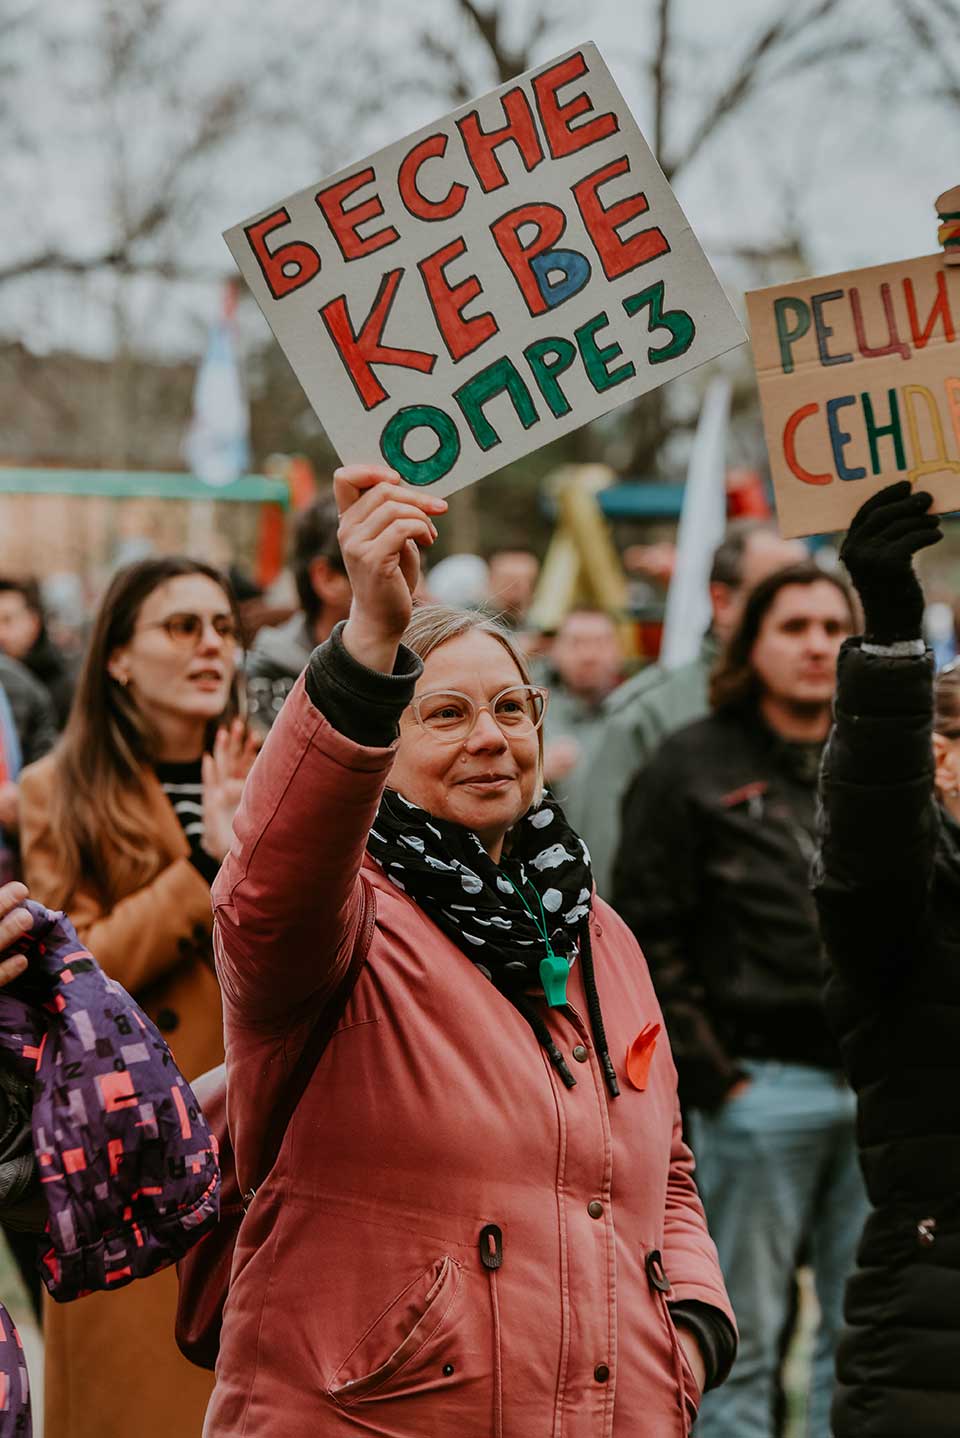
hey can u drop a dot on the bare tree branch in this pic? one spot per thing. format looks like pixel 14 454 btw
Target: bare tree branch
pixel 925 37
pixel 659 74
pixel 746 75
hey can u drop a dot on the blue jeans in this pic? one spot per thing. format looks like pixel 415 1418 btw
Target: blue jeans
pixel 777 1170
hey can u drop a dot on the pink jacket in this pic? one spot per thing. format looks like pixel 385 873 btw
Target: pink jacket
pixel 365 1294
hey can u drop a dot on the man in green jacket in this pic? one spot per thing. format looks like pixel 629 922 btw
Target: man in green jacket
pixel 641 713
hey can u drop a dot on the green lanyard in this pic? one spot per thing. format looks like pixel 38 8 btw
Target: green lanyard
pixel 554 971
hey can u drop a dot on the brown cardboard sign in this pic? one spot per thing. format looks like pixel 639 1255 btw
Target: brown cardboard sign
pixel 859 378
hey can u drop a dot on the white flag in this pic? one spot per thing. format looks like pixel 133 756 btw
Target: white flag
pixel 217 446
pixel 702 522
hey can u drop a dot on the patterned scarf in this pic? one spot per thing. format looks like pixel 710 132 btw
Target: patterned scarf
pixel 498 914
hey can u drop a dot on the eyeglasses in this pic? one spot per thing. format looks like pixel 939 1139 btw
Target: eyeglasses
pixel 451 717
pixel 186 630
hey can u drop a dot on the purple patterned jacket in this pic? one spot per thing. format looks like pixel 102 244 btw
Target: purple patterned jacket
pixel 127 1163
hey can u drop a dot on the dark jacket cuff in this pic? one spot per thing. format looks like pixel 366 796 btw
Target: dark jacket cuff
pixel 360 703
pixel 715 1335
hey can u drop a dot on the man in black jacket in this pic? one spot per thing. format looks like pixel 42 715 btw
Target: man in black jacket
pixel 713 876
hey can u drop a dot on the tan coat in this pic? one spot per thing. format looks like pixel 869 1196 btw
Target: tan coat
pixel 112 1369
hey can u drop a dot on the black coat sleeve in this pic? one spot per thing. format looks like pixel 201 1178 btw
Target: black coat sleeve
pixel 879 817
pixel 658 886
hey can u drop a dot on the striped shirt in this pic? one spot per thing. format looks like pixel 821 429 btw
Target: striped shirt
pixel 183 786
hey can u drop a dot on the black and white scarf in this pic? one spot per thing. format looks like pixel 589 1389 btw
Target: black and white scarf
pixel 445 869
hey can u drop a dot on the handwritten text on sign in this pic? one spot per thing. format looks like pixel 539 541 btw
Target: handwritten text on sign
pixel 860 383
pixel 495 280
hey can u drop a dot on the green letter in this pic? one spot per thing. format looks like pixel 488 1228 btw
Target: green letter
pixel 420 416
pixel 874 431
pixel 677 322
pixel 785 335
pixel 498 377
pixel 597 361
pixel 545 371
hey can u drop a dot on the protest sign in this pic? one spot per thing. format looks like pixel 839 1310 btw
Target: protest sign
pixel 860 385
pixel 497 279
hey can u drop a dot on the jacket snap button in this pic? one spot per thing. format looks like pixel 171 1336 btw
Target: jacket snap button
pixel 580 1054
pixel 595 1208
pixel 447 1370
pixel 167 1020
pixel 601 1373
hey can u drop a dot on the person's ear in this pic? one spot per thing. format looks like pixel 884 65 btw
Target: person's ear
pixel 118 668
pixel 724 604
pixel 325 580
pixel 946 758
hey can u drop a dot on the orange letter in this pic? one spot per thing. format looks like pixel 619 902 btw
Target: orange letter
pixel 790 450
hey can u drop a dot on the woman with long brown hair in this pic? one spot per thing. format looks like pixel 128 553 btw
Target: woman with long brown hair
pixel 125 825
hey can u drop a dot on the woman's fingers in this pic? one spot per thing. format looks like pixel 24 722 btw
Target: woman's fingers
pixel 12 968
pixel 351 480
pixel 12 896
pixel 15 921
pixel 371 501
pixel 378 521
pixel 390 544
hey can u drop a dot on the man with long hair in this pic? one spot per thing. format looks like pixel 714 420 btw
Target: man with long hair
pixel 713 876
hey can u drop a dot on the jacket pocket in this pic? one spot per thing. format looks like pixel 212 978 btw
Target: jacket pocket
pixel 404 1348
pixel 688 1391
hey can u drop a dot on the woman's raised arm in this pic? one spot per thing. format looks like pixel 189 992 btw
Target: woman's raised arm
pixel 878 815
pixel 286 899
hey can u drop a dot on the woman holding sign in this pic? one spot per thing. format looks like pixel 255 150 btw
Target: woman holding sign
pixel 889 899
pixel 483 1219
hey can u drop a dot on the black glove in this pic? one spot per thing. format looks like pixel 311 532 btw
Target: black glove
pixel 884 535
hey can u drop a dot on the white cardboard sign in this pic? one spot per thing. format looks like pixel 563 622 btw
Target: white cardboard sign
pixel 504 275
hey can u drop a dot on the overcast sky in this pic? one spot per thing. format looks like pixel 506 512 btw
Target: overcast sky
pixel 851 153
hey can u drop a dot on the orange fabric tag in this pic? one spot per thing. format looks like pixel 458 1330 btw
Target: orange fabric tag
pixel 639 1055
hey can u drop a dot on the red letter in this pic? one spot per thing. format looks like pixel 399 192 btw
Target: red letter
pixel 790 446
pixel 461 336
pixel 551 223
pixel 290 265
pixel 562 137
pixel 939 309
pixel 414 199
pixel 618 257
pixel 481 146
pixel 344 223
pixel 360 351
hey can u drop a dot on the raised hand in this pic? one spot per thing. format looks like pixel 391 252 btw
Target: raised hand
pixel 224 775
pixel 886 532
pixel 15 921
pixel 383 526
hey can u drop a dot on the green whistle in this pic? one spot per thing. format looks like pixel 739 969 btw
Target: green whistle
pixel 553 976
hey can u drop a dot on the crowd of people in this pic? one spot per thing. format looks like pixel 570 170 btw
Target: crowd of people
pixel 643 986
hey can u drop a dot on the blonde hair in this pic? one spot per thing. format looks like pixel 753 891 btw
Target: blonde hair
pixel 434 624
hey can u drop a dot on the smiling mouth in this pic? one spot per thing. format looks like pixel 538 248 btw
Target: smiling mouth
pixel 487 779
pixel 206 676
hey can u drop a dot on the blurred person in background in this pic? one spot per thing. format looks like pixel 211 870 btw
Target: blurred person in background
pixel 643 711
pixel 713 877
pixel 888 892
pixel 124 825
pixel 280 653
pixel 24 636
pixel 586 661
pixel 511 581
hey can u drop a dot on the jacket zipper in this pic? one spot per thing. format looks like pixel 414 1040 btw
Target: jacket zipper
pixel 491 1256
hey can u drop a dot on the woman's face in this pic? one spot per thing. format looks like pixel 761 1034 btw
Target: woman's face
pixel 173 675
pixel 487 781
